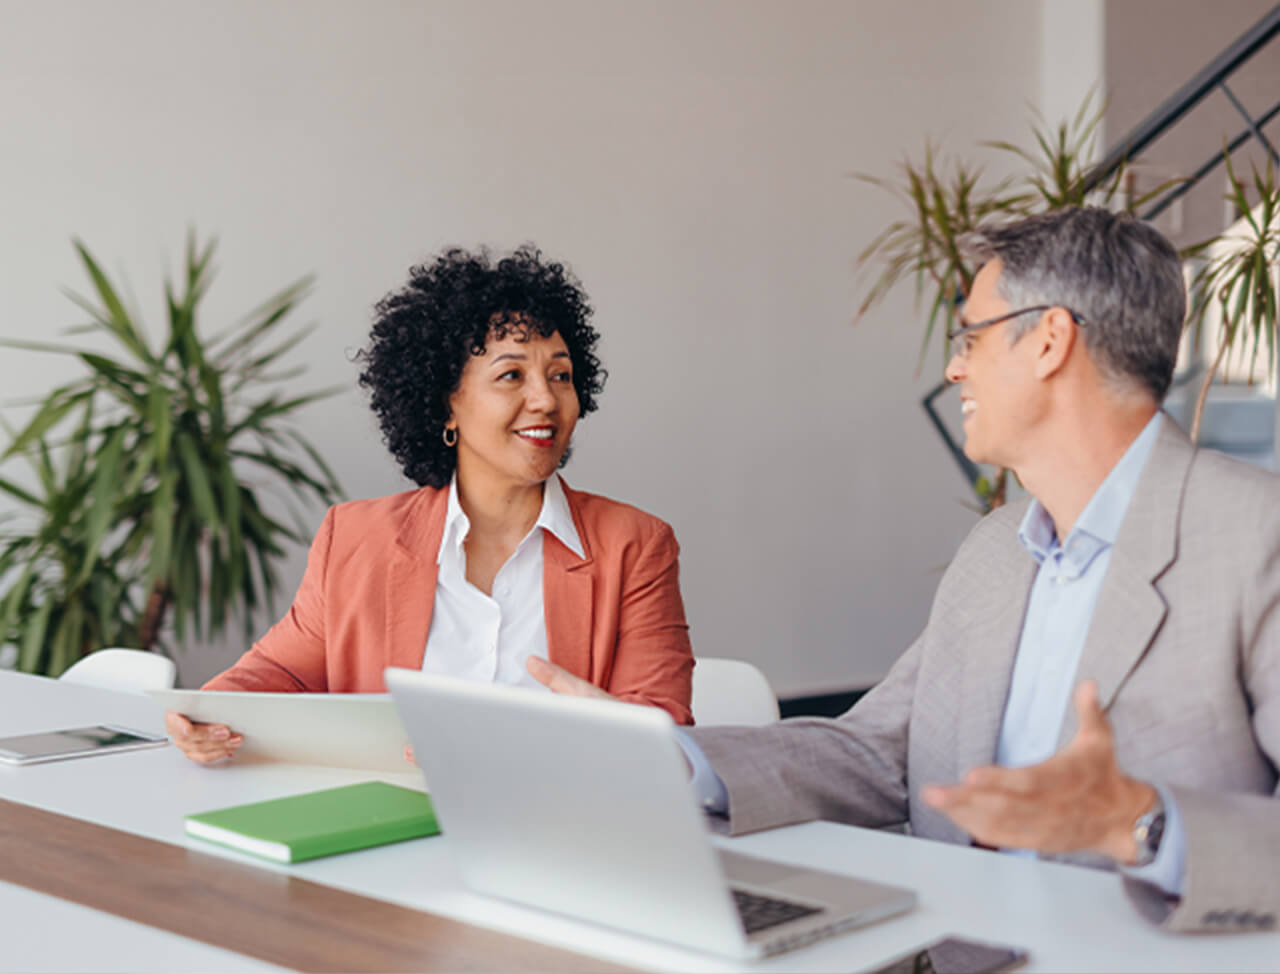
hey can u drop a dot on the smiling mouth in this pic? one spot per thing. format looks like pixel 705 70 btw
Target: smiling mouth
pixel 543 436
pixel 968 407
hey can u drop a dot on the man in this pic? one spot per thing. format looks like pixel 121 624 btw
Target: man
pixel 1099 678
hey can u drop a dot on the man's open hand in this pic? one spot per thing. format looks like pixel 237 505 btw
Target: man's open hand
pixel 1078 800
pixel 560 680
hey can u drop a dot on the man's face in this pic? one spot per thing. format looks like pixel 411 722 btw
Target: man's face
pixel 997 382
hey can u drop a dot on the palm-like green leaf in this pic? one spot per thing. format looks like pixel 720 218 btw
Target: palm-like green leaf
pixel 1239 281
pixel 140 512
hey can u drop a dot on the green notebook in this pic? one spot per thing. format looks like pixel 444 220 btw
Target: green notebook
pixel 320 823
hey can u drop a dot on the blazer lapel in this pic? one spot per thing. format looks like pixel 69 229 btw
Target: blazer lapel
pixel 568 589
pixel 411 580
pixel 1130 607
pixel 994 631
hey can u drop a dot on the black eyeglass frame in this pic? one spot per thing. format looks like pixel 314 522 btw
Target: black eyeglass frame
pixel 955 333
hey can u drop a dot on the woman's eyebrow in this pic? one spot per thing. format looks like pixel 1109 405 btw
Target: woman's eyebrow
pixel 514 356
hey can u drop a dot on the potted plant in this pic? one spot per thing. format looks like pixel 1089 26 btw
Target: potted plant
pixel 148 516
pixel 1235 286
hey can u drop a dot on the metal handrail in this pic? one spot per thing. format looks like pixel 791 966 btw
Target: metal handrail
pixel 1186 97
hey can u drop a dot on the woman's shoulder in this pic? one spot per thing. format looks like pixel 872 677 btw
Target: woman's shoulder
pixel 604 517
pixel 371 514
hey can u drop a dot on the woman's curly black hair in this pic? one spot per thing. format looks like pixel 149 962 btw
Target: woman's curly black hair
pixel 423 333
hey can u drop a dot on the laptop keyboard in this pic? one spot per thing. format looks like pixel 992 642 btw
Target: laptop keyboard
pixel 762 912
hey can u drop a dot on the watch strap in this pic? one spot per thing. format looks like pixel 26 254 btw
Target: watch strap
pixel 1148 830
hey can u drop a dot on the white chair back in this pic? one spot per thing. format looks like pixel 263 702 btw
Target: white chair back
pixel 123 669
pixel 729 691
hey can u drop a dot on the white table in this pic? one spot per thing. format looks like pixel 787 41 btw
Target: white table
pixel 1071 919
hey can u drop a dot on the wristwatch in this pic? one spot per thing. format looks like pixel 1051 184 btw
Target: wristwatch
pixel 1148 830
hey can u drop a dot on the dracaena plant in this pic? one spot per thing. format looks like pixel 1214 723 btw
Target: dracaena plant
pixel 160 495
pixel 66 595
pixel 1236 281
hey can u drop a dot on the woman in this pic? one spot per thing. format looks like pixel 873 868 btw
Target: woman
pixel 478 372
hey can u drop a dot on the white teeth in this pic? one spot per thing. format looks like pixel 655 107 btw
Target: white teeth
pixel 968 407
pixel 535 434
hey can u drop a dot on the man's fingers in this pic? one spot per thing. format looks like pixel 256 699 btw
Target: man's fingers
pixel 990 816
pixel 937 796
pixel 547 673
pixel 1089 713
pixel 996 779
pixel 559 680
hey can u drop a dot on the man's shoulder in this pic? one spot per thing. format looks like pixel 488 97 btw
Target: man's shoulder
pixel 989 559
pixel 1212 470
pixel 1226 502
pixel 996 531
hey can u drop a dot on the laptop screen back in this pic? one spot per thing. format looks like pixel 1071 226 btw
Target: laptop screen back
pixel 580 806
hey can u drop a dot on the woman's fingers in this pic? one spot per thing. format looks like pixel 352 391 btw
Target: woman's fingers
pixel 202 743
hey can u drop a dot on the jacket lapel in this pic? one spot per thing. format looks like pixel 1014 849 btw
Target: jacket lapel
pixel 1130 607
pixel 995 629
pixel 411 579
pixel 568 584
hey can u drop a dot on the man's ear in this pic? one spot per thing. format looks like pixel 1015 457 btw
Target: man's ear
pixel 1056 336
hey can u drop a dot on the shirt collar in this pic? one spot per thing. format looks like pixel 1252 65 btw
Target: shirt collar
pixel 555 517
pixel 1099 523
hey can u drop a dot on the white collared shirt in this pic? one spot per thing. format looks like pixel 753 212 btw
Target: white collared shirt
pixel 487 638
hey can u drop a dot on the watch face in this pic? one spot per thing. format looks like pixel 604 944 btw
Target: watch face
pixel 1147 833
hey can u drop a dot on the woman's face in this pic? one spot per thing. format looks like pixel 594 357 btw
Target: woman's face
pixel 514 410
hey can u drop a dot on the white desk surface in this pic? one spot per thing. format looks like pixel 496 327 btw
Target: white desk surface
pixel 1071 919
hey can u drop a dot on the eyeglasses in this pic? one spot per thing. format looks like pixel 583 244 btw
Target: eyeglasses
pixel 958 338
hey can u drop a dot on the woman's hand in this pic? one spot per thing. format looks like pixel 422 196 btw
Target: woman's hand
pixel 202 743
pixel 559 680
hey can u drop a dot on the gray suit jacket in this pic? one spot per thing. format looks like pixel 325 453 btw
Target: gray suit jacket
pixel 1184 644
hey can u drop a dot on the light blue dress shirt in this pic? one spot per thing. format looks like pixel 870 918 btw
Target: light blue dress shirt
pixel 1059 613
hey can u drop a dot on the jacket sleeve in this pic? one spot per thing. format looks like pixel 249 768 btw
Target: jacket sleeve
pixel 291 656
pixel 1232 878
pixel 851 769
pixel 653 660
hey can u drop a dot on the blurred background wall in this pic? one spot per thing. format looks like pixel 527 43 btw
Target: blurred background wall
pixel 690 159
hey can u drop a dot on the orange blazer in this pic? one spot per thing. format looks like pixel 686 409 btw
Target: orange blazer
pixel 614 617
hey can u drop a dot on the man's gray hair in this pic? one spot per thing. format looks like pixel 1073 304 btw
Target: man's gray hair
pixel 1119 274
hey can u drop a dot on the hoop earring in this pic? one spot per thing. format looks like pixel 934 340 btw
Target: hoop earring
pixel 447 440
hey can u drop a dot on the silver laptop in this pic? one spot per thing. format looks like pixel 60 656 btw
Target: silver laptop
pixel 584 807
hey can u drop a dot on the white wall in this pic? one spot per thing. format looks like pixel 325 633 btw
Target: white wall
pixel 690 160
pixel 1072 44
